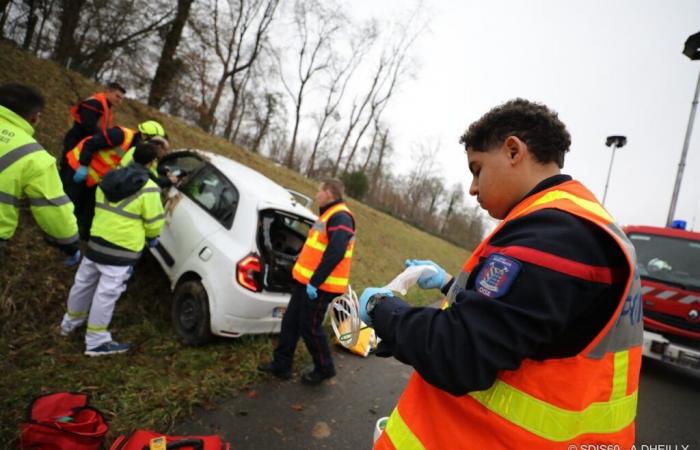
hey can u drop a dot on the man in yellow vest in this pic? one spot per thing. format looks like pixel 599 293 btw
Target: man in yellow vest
pixel 129 215
pixel 92 158
pixel 27 171
pixel 538 345
pixel 321 273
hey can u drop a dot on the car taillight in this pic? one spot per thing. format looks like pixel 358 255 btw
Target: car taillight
pixel 248 272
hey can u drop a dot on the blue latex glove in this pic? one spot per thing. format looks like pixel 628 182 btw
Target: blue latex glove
pixel 73 259
pixel 429 280
pixel 153 242
pixel 366 294
pixel 81 174
pixel 312 292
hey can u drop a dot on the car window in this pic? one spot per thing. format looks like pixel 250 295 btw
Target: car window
pixel 215 193
pixel 181 164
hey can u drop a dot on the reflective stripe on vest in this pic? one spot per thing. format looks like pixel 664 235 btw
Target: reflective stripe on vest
pixel 102 160
pixel 312 252
pixel 609 365
pixel 18 153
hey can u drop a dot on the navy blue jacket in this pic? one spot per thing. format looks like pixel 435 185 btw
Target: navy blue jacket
pixel 340 229
pixel 98 141
pixel 545 313
pixel 90 112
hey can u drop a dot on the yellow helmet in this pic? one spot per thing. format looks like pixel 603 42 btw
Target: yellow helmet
pixel 151 128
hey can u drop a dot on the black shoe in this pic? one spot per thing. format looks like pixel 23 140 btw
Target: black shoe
pixel 314 377
pixel 269 368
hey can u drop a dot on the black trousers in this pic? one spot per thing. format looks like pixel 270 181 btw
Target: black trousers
pixel 304 317
pixel 83 198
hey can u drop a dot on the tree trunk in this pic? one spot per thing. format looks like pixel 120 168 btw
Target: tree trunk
pixel 66 47
pixel 262 131
pixel 3 15
pixel 290 154
pixel 32 19
pixel 207 119
pixel 46 13
pixel 167 65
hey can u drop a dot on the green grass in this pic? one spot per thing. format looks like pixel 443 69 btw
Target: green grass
pixel 159 380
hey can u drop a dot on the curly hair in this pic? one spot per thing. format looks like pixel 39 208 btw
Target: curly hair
pixel 533 123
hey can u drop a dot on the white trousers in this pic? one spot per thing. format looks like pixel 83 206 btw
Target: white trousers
pixel 93 297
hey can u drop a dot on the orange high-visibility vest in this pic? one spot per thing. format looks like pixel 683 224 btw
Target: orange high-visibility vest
pixel 105 120
pixel 103 160
pixel 589 398
pixel 312 252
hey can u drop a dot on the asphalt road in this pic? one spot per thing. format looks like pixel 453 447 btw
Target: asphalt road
pixel 341 413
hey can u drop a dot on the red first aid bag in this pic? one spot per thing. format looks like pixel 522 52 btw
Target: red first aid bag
pixel 62 421
pixel 140 440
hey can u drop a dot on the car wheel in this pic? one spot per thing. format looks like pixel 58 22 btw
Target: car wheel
pixel 190 313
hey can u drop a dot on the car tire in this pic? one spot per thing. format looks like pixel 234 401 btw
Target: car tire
pixel 190 313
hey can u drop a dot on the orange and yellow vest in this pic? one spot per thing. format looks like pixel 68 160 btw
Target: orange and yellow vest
pixel 103 160
pixel 589 398
pixel 105 119
pixel 312 252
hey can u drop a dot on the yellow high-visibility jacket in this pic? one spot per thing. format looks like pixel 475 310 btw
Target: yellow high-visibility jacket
pixel 120 229
pixel 27 171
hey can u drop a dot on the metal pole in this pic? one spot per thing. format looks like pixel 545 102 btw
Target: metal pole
pixel 681 164
pixel 607 182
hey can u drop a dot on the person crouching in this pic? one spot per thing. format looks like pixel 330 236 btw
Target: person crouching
pixel 128 215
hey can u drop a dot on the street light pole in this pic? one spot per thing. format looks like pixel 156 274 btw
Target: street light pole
pixel 681 164
pixel 691 49
pixel 615 142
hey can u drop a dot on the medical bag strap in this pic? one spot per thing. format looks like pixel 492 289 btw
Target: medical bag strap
pixel 196 444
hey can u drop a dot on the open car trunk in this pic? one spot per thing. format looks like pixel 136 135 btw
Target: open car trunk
pixel 281 236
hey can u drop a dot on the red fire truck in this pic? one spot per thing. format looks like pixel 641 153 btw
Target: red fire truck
pixel 668 262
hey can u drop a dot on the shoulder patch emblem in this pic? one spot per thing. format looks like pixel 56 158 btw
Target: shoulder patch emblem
pixel 497 275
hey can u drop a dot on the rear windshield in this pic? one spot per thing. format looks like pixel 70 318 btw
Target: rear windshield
pixel 670 260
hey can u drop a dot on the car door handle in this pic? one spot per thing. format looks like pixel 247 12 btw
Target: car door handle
pixel 205 254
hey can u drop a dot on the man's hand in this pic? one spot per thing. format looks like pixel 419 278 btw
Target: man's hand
pixel 311 292
pixel 81 174
pixel 153 242
pixel 367 294
pixel 429 280
pixel 73 259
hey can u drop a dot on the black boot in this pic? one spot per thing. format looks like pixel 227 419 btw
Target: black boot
pixel 315 377
pixel 272 370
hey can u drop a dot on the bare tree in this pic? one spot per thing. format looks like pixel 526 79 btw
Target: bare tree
pixel 390 72
pixel 238 37
pixel 339 76
pixel 316 28
pixel 168 64
pixel 456 196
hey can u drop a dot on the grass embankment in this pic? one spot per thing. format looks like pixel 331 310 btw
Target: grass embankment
pixel 159 380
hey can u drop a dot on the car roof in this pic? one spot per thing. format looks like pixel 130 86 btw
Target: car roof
pixel 663 231
pixel 268 193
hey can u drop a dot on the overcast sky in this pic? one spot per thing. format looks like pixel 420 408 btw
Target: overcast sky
pixel 607 67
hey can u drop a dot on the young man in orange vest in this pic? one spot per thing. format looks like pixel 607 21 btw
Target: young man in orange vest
pixel 538 345
pixel 92 115
pixel 321 273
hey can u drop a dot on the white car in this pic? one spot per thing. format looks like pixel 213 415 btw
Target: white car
pixel 230 238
